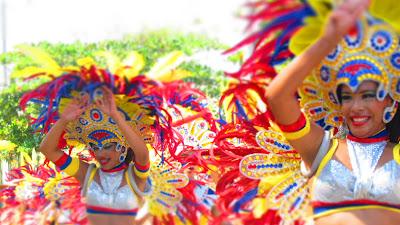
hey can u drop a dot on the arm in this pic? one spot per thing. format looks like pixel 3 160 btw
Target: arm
pixel 281 92
pixel 49 144
pixel 135 141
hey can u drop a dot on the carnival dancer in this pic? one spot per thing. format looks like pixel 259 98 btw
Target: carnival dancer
pixel 114 116
pixel 346 72
pixel 116 188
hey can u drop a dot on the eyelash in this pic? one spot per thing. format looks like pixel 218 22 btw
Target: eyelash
pixel 364 96
pixel 369 95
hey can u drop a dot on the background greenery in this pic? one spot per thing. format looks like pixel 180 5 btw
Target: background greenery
pixel 152 45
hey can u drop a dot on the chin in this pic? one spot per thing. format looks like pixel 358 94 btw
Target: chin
pixel 362 132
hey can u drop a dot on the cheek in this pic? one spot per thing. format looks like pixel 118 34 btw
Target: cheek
pixel 114 155
pixel 345 109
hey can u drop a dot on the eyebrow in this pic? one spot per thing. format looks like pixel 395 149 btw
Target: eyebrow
pixel 361 92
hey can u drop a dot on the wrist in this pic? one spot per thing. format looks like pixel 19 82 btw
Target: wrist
pixel 63 121
pixel 116 116
pixel 328 43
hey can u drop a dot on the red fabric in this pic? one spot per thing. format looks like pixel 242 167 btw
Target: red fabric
pixel 142 167
pixel 317 204
pixel 367 140
pixel 296 126
pixel 62 160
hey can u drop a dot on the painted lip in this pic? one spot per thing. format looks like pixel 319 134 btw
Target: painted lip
pixel 104 161
pixel 359 121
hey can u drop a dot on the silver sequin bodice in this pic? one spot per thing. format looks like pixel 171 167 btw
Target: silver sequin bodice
pixel 337 183
pixel 109 194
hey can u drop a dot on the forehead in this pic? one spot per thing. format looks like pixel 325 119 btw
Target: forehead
pixel 364 86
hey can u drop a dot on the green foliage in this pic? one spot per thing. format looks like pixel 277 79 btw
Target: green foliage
pixel 14 123
pixel 152 45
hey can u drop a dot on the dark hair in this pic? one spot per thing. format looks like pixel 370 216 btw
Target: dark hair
pixel 339 93
pixel 130 156
pixel 393 127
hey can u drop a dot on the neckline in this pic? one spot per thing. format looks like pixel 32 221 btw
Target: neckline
pixel 118 168
pixel 382 135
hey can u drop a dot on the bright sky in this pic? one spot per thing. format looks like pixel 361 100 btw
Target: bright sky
pixel 30 21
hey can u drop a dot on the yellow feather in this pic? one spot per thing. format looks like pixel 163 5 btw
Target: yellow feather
pixel 113 62
pixel 136 63
pixel 174 74
pixel 85 62
pixel 387 10
pixel 165 65
pixel 306 35
pixel 25 159
pixel 42 58
pixel 28 71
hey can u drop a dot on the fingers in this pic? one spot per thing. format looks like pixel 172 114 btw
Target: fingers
pixel 99 102
pixel 106 90
pixel 108 94
pixel 354 6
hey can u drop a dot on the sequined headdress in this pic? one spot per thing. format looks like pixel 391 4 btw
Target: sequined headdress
pixel 370 52
pixel 135 96
pixel 95 128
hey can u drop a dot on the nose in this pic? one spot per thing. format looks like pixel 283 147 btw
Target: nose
pixel 357 104
pixel 99 153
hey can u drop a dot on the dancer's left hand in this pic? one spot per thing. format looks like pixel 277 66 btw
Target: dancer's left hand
pixel 107 103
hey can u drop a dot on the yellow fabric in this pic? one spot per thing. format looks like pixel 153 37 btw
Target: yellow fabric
pixel 300 133
pixel 73 167
pixel 139 198
pixel 327 157
pixel 91 177
pixel 142 175
pixel 345 209
pixel 396 153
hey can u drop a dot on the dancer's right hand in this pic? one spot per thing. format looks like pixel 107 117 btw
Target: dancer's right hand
pixel 343 18
pixel 74 109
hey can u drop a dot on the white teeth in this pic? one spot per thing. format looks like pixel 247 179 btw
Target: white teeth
pixel 360 119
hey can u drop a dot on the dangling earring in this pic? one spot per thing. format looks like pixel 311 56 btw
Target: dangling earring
pixel 124 152
pixel 343 130
pixel 389 112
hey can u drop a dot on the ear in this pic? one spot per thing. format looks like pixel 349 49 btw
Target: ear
pixel 388 101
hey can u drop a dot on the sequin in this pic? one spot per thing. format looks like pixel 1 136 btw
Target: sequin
pixel 109 194
pixel 337 183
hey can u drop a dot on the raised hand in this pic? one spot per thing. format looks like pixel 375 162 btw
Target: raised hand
pixel 107 103
pixel 343 18
pixel 75 108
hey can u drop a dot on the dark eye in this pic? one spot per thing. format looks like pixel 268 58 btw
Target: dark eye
pixel 108 146
pixel 346 97
pixel 95 148
pixel 369 95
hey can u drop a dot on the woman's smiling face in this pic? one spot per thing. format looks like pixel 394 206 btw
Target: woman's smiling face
pixel 362 111
pixel 107 156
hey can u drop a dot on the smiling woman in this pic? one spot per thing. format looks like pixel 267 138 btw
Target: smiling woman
pixel 333 133
pixel 367 159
